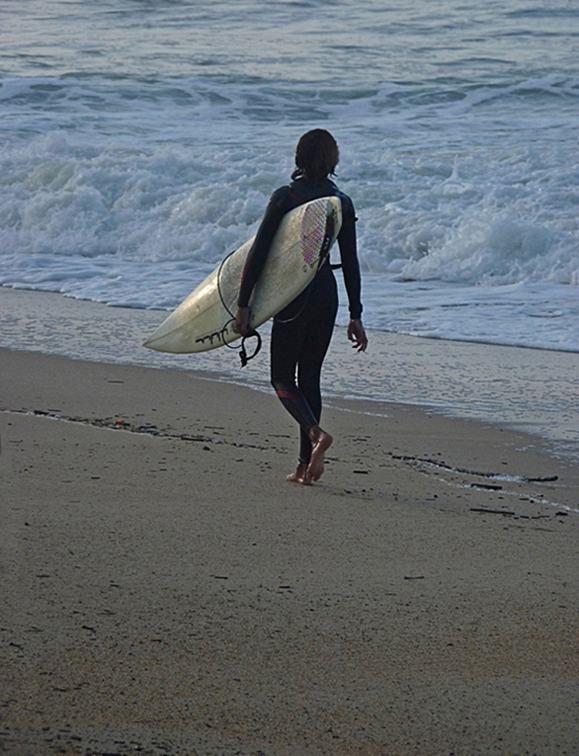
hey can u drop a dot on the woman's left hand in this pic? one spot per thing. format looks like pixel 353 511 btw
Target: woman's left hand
pixel 357 335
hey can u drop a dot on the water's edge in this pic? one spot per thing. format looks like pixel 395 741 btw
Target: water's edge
pixel 528 390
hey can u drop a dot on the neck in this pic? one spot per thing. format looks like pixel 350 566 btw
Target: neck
pixel 313 180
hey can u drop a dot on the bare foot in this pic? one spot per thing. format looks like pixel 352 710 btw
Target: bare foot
pixel 321 443
pixel 299 476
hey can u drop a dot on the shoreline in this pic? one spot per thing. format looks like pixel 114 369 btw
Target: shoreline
pixel 524 389
pixel 468 450
pixel 165 590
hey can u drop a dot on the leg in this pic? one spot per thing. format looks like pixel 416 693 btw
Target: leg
pixel 286 343
pixel 319 334
pixel 301 343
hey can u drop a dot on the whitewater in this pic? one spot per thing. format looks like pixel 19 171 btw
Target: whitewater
pixel 141 141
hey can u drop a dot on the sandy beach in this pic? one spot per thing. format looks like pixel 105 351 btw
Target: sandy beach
pixel 164 591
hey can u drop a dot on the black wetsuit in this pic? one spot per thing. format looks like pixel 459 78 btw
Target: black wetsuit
pixel 302 331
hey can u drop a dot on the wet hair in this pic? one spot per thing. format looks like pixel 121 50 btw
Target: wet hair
pixel 317 156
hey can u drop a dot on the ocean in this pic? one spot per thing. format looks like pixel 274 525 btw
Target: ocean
pixel 140 142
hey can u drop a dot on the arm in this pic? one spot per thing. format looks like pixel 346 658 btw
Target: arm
pixel 351 270
pixel 278 206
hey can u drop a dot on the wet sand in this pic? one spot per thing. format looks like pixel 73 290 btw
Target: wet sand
pixel 164 591
pixel 531 390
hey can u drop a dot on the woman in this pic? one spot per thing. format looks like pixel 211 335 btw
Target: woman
pixel 301 332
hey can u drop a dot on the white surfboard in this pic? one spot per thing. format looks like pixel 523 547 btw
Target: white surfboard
pixel 206 319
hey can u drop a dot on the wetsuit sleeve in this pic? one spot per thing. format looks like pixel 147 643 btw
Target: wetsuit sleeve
pixel 349 257
pixel 279 204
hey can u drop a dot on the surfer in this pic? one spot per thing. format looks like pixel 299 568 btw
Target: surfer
pixel 302 331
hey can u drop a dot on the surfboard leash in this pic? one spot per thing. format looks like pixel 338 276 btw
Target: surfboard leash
pixel 243 356
pixel 323 257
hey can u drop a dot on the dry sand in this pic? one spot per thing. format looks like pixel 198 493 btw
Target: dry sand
pixel 164 591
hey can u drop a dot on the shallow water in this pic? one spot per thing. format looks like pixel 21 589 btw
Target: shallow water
pixel 526 389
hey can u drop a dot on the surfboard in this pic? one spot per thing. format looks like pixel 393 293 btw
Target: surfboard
pixel 206 319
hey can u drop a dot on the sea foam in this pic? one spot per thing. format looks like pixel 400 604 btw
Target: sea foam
pixel 125 178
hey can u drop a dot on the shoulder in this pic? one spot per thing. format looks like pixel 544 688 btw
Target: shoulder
pixel 281 192
pixel 347 203
pixel 281 199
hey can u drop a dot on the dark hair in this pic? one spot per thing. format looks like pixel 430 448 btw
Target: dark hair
pixel 317 156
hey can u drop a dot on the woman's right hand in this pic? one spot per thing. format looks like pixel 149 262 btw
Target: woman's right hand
pixel 242 320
